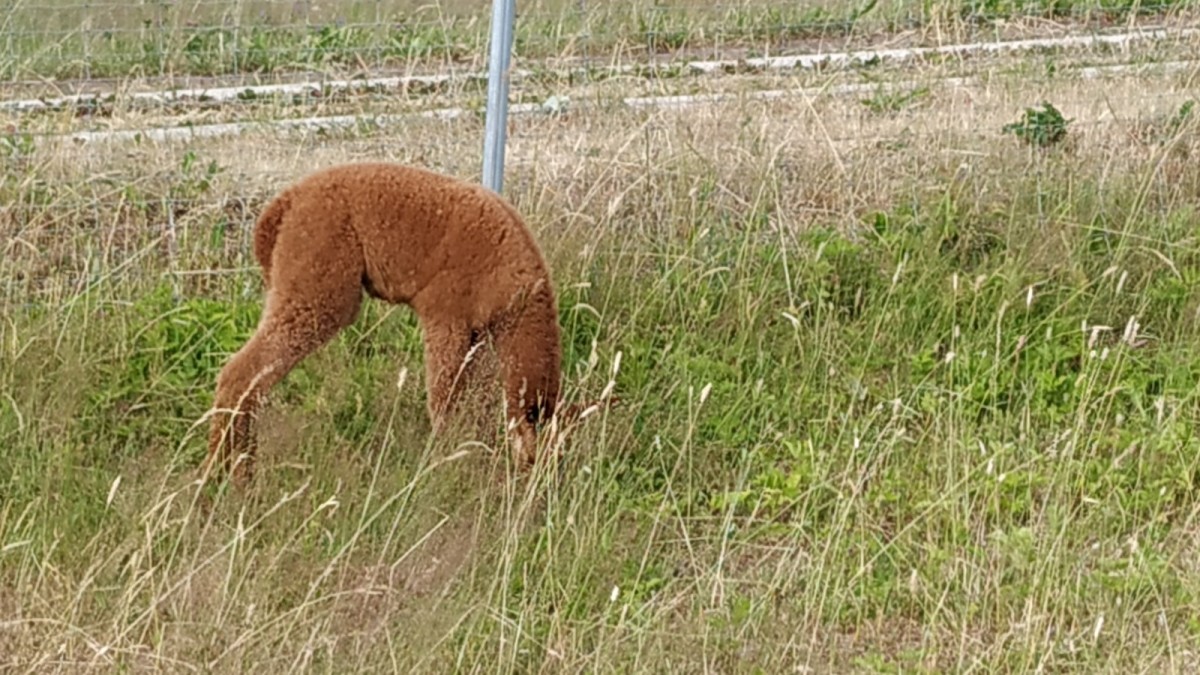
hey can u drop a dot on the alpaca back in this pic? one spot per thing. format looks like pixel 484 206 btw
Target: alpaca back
pixel 445 246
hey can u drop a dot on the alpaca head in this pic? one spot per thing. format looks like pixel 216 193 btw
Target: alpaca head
pixel 526 423
pixel 551 422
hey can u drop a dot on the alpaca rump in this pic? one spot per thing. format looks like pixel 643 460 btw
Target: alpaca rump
pixel 457 253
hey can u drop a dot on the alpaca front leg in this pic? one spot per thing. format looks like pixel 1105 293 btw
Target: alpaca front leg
pixel 446 347
pixel 459 372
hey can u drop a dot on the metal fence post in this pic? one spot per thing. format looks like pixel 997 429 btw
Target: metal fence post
pixel 496 124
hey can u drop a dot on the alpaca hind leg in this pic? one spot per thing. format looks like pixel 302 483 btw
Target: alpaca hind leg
pixel 283 339
pixel 304 310
pixel 241 387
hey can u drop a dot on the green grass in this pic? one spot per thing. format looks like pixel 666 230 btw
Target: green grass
pixel 72 40
pixel 958 434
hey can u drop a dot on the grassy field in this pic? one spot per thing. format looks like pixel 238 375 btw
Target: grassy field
pixel 67 39
pixel 903 393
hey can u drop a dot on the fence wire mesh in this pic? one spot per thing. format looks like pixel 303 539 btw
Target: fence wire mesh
pixel 72 39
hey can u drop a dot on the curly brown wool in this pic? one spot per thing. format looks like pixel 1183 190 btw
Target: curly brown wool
pixel 456 252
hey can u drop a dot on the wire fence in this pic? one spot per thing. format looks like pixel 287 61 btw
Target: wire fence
pixel 75 39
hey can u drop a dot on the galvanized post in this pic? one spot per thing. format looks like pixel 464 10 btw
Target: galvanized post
pixel 496 124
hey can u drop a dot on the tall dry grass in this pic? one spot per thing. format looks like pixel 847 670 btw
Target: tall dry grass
pixel 902 393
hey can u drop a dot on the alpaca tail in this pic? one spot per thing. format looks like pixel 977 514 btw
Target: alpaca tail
pixel 265 232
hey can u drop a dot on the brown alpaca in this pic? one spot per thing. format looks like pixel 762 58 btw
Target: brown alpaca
pixel 456 252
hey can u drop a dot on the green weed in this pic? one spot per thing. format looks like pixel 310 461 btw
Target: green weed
pixel 1041 127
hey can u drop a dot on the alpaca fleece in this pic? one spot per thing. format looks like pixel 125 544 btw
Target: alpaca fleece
pixel 456 252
